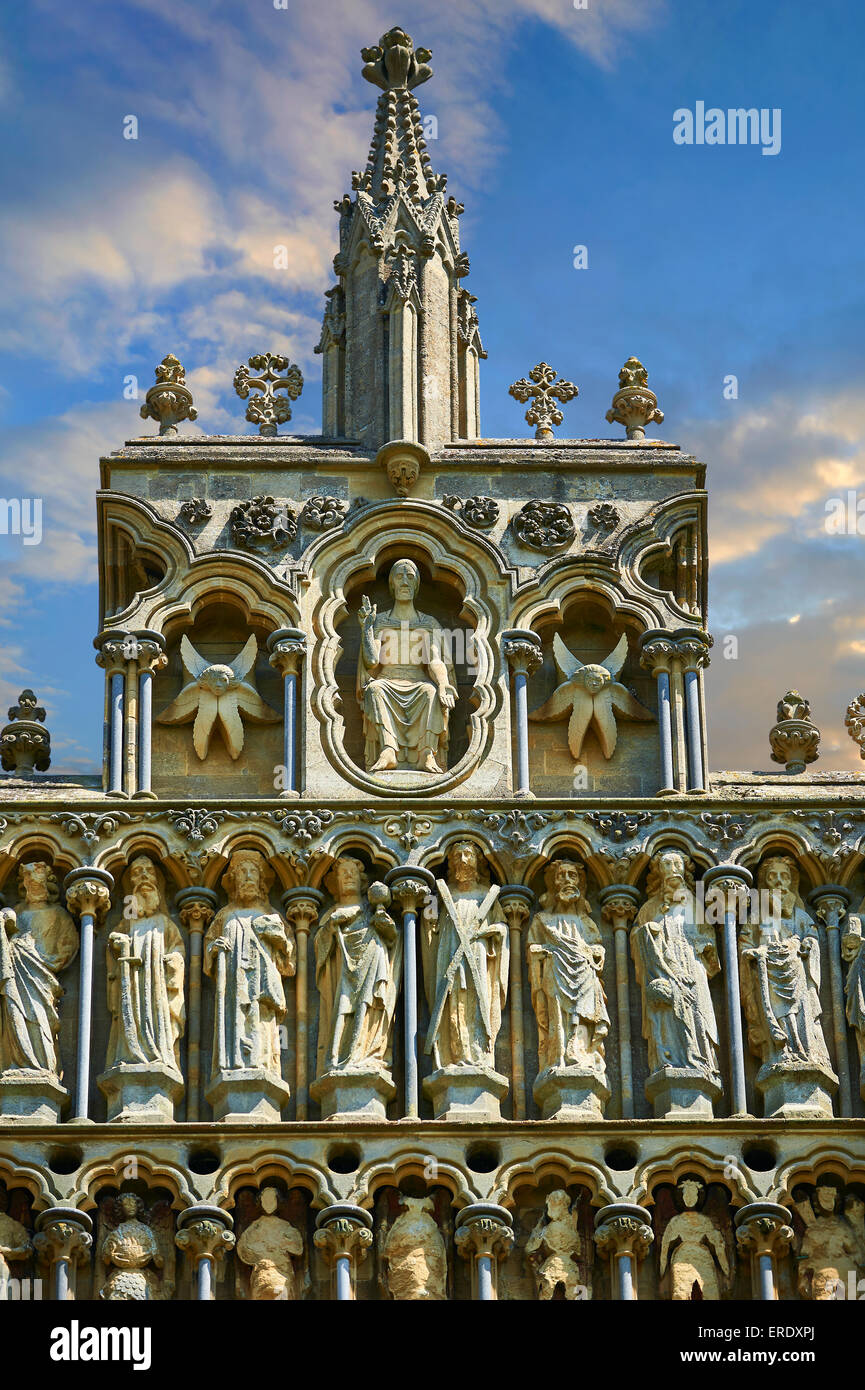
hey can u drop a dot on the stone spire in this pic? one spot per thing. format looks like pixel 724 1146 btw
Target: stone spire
pixel 400 335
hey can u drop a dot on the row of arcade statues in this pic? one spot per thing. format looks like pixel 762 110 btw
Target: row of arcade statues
pixel 363 947
pixel 549 1246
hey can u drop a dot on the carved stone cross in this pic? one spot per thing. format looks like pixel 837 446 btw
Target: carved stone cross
pixel 268 410
pixel 542 389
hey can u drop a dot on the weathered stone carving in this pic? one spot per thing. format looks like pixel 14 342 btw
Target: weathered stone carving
pixel 170 400
pixel 545 526
pixel 273 1248
pixel 195 511
pixel 145 1002
pixel 634 405
pixel 406 683
pixel 25 744
pixel 675 956
pixel 781 997
pixel 262 522
pixel 412 1254
pixel 218 693
pixel 323 513
pixel 795 738
pixel 15 1244
pixel 854 722
pixel 465 951
pixel 267 410
pixel 247 951
pixel 37 940
pixel 135 1250
pixel 358 955
pixel 604 516
pixel 852 944
pixel 480 512
pixel 565 959
pixel 394 62
pixel 694 1249
pixel 831 1255
pixel 556 1251
pixel 543 391
pixel 591 696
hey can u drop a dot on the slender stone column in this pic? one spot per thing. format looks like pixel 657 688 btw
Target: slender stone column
pixel 657 653
pixel 516 901
pixel 831 902
pixel 764 1233
pixel 728 885
pixel 619 905
pixel 287 647
pixel 88 897
pixel 484 1234
pixel 694 654
pixel 343 1235
pixel 196 907
pixel 411 886
pixel 151 658
pixel 112 658
pixel 204 1235
pixel 623 1234
pixel 62 1241
pixel 677 712
pixel 302 907
pixel 522 651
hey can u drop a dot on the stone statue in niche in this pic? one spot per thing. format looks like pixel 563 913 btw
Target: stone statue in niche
pixel 412 1254
pixel 556 1250
pixel 694 1249
pixel 38 939
pixel 218 693
pixel 272 1246
pixel 135 1250
pixel 248 950
pixel 675 956
pixel 406 683
pixel 358 953
pixel 15 1244
pixel 565 960
pixel 591 696
pixel 781 996
pixel 831 1256
pixel 854 954
pixel 145 996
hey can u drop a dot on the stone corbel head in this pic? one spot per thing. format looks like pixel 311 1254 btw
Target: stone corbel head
pixel 402 460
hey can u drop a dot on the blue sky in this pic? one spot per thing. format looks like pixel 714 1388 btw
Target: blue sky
pixel 555 128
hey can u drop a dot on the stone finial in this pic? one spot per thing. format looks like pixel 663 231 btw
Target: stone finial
pixel 795 738
pixel 268 410
pixel 634 405
pixel 25 746
pixel 543 390
pixel 395 62
pixel 170 400
pixel 854 722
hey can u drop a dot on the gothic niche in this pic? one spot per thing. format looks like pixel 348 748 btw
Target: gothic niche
pixel 591 706
pixel 552 1259
pixel 271 1257
pixel 130 569
pixel 218 706
pixel 675 569
pixel 16 1243
pixel 829 1240
pixel 406 673
pixel 134 1248
pixel 413 1234
pixel 694 1243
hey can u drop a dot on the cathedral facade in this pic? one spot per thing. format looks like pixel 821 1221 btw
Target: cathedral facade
pixel 408 948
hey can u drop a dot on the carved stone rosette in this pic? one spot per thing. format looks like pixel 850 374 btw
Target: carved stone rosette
pixel 544 526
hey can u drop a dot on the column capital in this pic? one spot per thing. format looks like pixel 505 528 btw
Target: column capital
pixel 196 907
pixel 204 1231
pixel 287 648
pixel 301 906
pixel 111 646
pixel 343 1231
pixel 692 647
pixel 522 650
pixel 63 1233
pixel 763 1228
pixel 732 881
pixel 619 904
pixel 623 1228
pixel 88 890
pixel 484 1228
pixel 830 901
pixel 517 902
pixel 657 650
pixel 150 654
pixel 410 885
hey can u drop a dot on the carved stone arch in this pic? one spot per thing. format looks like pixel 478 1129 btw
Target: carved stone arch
pixel 256 1169
pixel 808 1168
pixel 570 1168
pixel 28 845
pixel 257 838
pixel 131 527
pixel 654 538
pixel 344 841
pixel 567 580
pixel 435 855
pixel 709 1166
pixel 15 1173
pixel 469 566
pixel 390 1172
pixel 783 841
pixel 108 1171
pixel 245 582
pixel 154 844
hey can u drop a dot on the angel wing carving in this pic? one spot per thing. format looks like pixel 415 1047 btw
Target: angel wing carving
pixel 218 693
pixel 590 695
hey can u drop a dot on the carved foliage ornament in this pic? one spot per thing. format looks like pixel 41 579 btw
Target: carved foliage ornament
pixel 479 512
pixel 545 526
pixel 262 522
pixel 267 410
pixel 543 390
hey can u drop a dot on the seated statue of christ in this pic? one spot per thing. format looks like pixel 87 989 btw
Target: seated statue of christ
pixel 405 681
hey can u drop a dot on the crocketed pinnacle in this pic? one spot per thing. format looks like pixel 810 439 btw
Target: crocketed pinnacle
pixel 398 158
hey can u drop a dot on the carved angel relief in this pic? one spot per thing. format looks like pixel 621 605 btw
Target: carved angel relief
pixel 590 695
pixel 135 1252
pixel 218 693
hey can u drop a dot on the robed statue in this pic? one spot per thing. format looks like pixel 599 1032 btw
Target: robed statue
pixel 145 974
pixel 565 958
pixel 38 939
